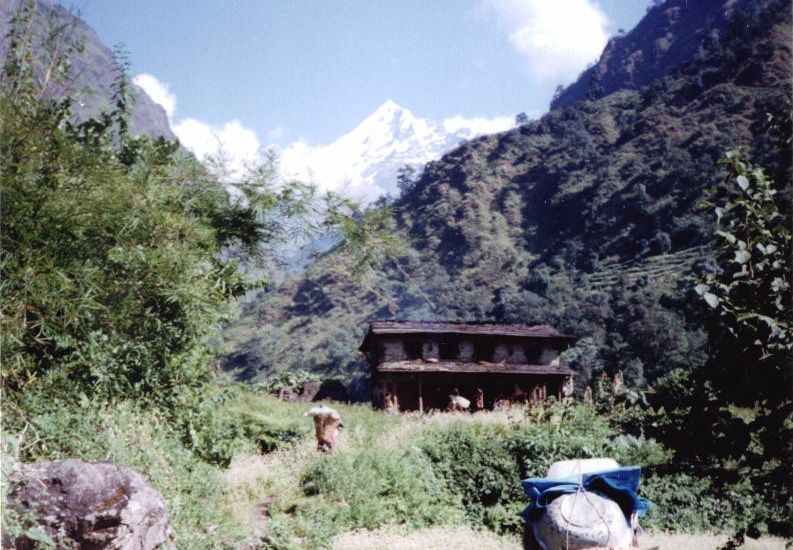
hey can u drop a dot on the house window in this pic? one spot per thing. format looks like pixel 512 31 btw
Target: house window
pixel 483 350
pixel 449 349
pixel 413 349
pixel 533 355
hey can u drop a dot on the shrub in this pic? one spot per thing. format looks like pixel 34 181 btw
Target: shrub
pixel 478 467
pixel 641 451
pixel 361 490
pixel 685 502
pixel 373 488
pixel 218 422
pixel 559 433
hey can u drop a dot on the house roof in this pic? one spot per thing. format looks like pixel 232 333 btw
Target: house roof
pixel 463 327
pixel 417 366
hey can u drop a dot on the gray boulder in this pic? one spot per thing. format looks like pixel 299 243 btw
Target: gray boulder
pixel 84 505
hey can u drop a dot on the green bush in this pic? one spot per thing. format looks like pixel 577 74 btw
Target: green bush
pixel 369 489
pixel 364 490
pixel 477 466
pixel 630 450
pixel 483 463
pixel 685 502
pixel 559 433
pixel 218 422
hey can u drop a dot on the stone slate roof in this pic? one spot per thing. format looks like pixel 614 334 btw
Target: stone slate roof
pixel 464 327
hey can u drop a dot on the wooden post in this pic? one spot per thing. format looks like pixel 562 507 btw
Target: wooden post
pixel 396 397
pixel 421 398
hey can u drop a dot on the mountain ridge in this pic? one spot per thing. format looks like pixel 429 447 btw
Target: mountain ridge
pixel 671 34
pixel 92 70
pixel 368 157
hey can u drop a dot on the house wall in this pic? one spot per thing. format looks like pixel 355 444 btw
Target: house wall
pixel 490 349
pixel 549 356
pixel 517 354
pixel 430 349
pixel 393 349
pixel 466 350
pixel 500 353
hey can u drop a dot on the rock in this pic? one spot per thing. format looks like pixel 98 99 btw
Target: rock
pixel 84 505
pixel 585 520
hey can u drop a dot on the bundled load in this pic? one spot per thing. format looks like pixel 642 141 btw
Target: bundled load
pixel 588 503
pixel 326 427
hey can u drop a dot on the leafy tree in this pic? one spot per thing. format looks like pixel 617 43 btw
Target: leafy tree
pixel 521 119
pixel 406 179
pixel 752 292
pixel 114 266
pixel 747 405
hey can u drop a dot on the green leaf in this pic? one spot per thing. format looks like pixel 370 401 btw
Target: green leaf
pixel 743 182
pixel 778 284
pixel 769 249
pixel 37 534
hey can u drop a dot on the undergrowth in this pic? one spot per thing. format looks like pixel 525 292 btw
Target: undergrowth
pixel 412 471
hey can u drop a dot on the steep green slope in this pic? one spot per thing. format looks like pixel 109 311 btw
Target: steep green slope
pixel 92 70
pixel 588 218
pixel 672 33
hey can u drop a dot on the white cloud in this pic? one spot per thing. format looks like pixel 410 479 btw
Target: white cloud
pixel 558 38
pixel 361 164
pixel 158 91
pixel 239 145
pixel 478 125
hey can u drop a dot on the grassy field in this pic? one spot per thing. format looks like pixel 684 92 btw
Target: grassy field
pixel 363 496
pixel 249 475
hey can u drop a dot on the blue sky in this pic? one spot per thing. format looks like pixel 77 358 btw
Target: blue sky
pixel 291 69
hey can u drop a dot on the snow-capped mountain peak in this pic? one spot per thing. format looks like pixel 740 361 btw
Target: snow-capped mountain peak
pixel 363 163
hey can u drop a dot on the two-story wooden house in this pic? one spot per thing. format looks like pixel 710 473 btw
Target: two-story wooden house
pixel 418 365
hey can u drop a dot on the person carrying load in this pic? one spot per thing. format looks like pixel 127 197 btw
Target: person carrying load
pixel 326 427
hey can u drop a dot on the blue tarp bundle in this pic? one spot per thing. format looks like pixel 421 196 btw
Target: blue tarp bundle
pixel 620 485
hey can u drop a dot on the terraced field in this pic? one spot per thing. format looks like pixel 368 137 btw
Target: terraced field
pixel 663 269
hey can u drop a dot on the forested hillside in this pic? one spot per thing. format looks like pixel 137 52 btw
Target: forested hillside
pixel 671 34
pixel 589 218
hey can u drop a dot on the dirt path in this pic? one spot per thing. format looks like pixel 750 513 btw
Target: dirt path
pixel 465 538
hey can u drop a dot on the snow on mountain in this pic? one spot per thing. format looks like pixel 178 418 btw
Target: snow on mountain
pixel 363 163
